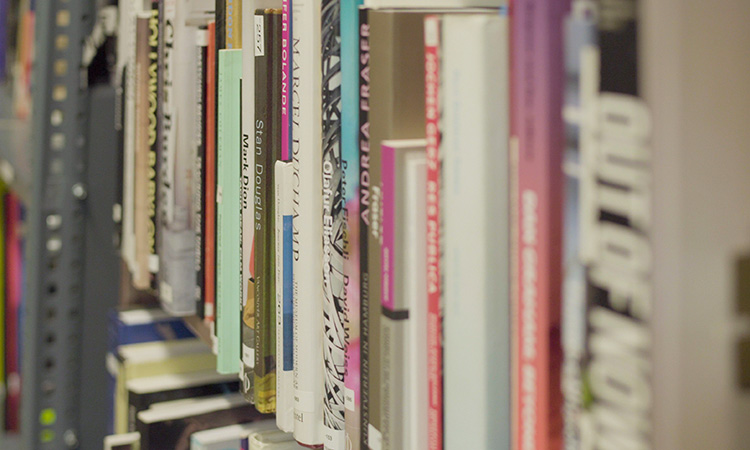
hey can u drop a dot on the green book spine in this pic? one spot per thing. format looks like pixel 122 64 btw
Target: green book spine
pixel 228 223
pixel 267 152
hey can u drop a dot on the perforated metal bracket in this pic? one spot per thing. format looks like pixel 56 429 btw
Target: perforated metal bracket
pixel 53 382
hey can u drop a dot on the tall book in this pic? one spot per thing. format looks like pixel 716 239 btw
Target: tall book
pixel 334 301
pixel 228 220
pixel 209 196
pixel 433 114
pixel 615 226
pixel 267 144
pixel 350 166
pixel 307 226
pixel 199 181
pixel 537 198
pixel 247 324
pixel 404 295
pixel 176 233
pixel 396 111
pixel 284 296
pixel 580 38
pixel 475 202
pixel 154 143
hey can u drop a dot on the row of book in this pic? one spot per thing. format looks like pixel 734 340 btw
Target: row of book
pixel 12 231
pixel 408 224
pixel 166 393
pixel 17 51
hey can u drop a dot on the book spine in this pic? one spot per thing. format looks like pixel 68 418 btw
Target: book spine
pixel 199 181
pixel 580 38
pixel 434 319
pixel 363 221
pixel 615 230
pixel 129 44
pixel 247 371
pixel 350 196
pixel 286 73
pixel 307 267
pixel 393 318
pixel 209 200
pixel 153 142
pixel 267 152
pixel 284 313
pixel 13 296
pixel 475 197
pixel 228 211
pixel 233 24
pixel 334 302
pixel 537 137
pixel 141 278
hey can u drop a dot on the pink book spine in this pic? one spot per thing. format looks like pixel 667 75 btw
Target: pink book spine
pixel 434 349
pixel 537 136
pixel 13 286
pixel 388 175
pixel 285 76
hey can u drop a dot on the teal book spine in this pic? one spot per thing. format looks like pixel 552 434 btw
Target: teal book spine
pixel 228 224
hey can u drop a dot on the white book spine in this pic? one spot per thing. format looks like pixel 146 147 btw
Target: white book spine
pixel 284 370
pixel 416 292
pixel 127 32
pixel 307 226
pixel 475 71
pixel 248 163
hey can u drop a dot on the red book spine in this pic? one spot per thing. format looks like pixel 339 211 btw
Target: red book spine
pixel 13 286
pixel 537 80
pixel 434 348
pixel 209 233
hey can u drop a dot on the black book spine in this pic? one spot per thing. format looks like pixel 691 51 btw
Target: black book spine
pixel 364 221
pixel 154 140
pixel 200 178
pixel 267 152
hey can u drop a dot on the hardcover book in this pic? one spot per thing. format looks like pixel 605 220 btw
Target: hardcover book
pixel 228 437
pixel 334 301
pixel 209 197
pixel 396 111
pixel 228 220
pixel 404 295
pixel 307 226
pixel 537 200
pixel 199 182
pixel 267 144
pixel 475 202
pixel 350 166
pixel 284 284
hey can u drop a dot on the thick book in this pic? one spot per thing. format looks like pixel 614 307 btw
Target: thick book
pixel 228 437
pixel 209 196
pixel 333 224
pixel 433 114
pixel 350 166
pixel 135 326
pixel 169 425
pixel 267 144
pixel 618 235
pixel 475 202
pixel 284 296
pixel 14 273
pixel 247 324
pixel 307 226
pixel 580 39
pixel 228 219
pixel 396 111
pixel 176 232
pixel 536 86
pixel 404 295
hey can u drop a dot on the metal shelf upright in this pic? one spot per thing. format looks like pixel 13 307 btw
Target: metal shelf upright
pixel 72 273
